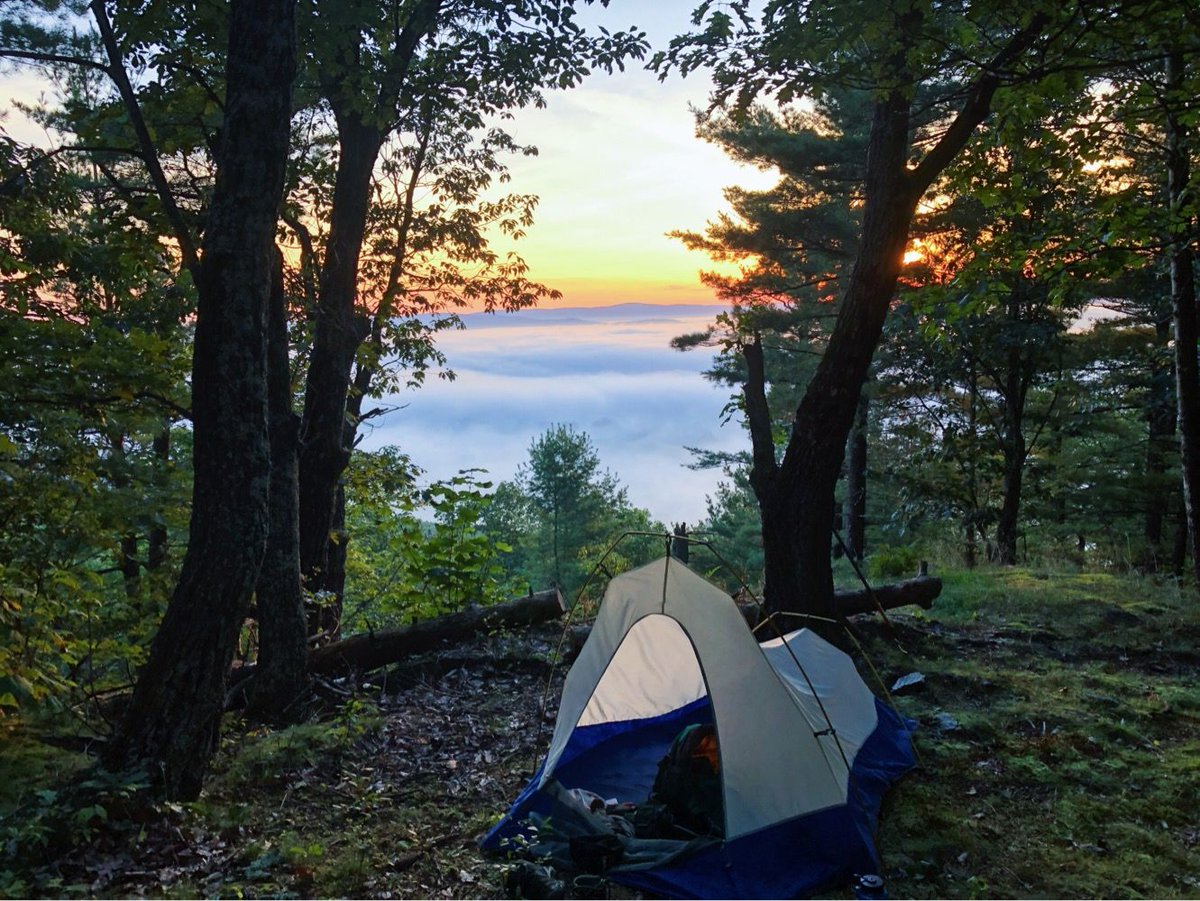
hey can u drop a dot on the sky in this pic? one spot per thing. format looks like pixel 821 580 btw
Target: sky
pixel 618 167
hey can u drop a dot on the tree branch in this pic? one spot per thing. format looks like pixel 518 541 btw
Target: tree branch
pixel 39 57
pixel 975 108
pixel 307 256
pixel 116 71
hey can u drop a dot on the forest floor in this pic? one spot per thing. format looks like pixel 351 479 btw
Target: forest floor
pixel 1059 743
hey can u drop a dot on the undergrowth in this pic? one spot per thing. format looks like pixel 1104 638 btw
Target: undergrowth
pixel 1059 742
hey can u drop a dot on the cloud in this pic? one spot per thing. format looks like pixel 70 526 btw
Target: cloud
pixel 640 401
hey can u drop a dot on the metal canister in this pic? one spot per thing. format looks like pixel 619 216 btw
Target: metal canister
pixel 869 886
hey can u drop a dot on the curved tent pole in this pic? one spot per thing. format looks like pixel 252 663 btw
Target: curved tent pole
pixel 741 581
pixel 579 595
pixel 851 782
pixel 766 618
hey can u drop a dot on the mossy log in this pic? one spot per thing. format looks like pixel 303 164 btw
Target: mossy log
pixel 921 590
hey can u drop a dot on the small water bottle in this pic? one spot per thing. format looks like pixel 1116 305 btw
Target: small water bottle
pixel 869 886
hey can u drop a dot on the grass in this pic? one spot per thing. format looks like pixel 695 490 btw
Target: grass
pixel 1075 768
pixel 1059 740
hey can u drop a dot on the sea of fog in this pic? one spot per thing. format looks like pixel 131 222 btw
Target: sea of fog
pixel 606 371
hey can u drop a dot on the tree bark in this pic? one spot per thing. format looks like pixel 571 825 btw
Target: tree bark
pixel 1180 545
pixel 800 491
pixel 798 517
pixel 156 555
pixel 279 601
pixel 856 482
pixel 1183 307
pixel 337 334
pixel 1015 390
pixel 172 723
pixel 971 518
pixel 922 591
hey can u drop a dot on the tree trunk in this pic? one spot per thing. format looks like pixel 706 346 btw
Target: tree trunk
pixel 340 329
pixel 801 489
pixel 1179 548
pixel 856 482
pixel 1015 390
pixel 338 332
pixel 279 601
pixel 156 555
pixel 331 581
pixel 1160 419
pixel 680 548
pixel 131 569
pixel 127 544
pixel 971 519
pixel 798 518
pixel 1183 307
pixel 1007 526
pixel 171 726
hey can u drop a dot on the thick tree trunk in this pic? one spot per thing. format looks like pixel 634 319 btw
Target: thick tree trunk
pixel 171 726
pixel 1183 307
pixel 279 601
pixel 856 482
pixel 338 332
pixel 799 514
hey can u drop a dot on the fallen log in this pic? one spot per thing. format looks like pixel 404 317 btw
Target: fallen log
pixel 921 590
pixel 371 650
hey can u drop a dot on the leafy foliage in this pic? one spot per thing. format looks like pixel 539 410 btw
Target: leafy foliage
pixel 402 566
pixel 562 513
pixel 1051 698
pixel 92 383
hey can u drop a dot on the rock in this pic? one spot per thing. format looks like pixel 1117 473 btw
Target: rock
pixel 909 684
pixel 945 722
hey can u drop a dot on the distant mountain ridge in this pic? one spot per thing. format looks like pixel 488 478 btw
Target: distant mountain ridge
pixel 616 313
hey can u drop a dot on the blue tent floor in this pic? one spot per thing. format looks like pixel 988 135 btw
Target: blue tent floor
pixel 788 859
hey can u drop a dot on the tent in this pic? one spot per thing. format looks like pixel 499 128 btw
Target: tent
pixel 806 751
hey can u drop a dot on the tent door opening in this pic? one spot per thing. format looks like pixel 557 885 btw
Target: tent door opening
pixel 626 747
